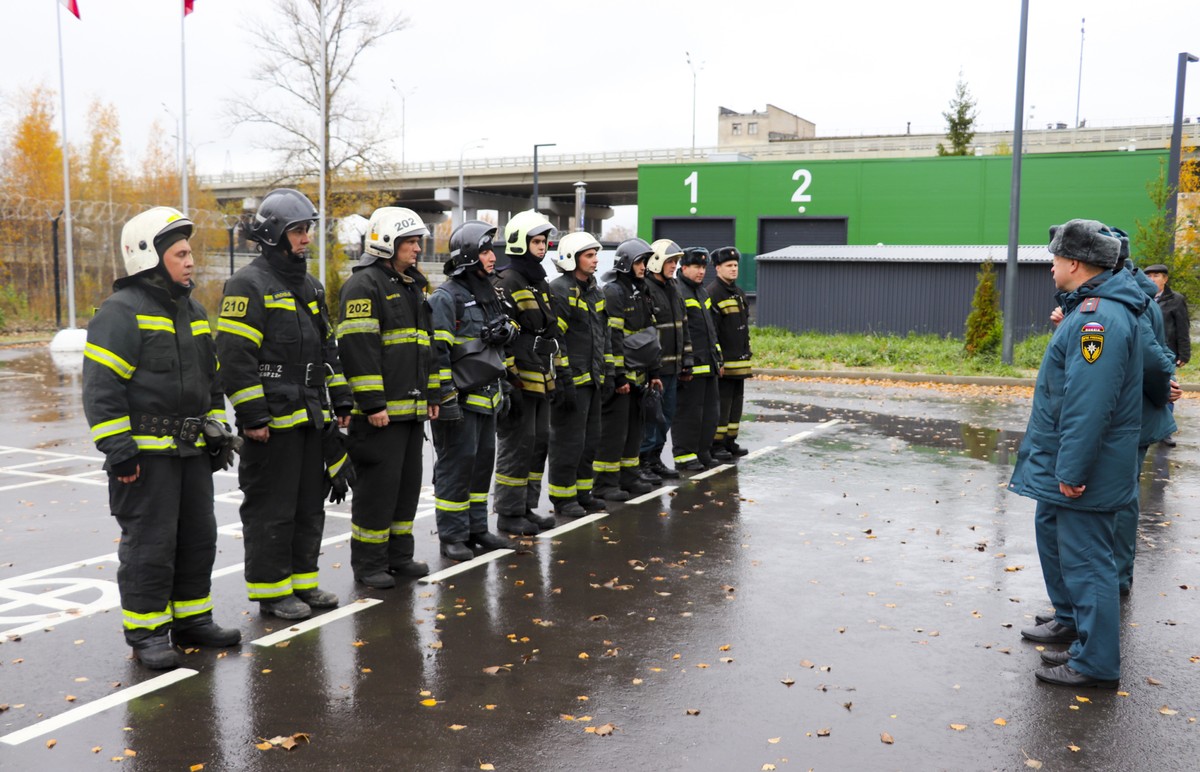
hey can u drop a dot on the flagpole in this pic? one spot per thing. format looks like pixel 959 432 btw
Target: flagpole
pixel 183 116
pixel 324 144
pixel 66 154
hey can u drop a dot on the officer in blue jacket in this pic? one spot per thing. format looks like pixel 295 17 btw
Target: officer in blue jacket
pixel 1079 451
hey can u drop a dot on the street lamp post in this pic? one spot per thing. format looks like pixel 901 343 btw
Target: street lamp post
pixel 696 67
pixel 1176 145
pixel 475 143
pixel 535 171
pixel 403 118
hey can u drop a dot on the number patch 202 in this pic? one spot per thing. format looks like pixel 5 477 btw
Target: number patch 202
pixel 356 309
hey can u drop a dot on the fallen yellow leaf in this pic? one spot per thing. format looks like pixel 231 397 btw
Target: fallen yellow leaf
pixel 693 712
pixel 1033 763
pixel 489 707
pixel 774 740
pixel 429 703
pixel 130 752
pixel 486 766
pixel 1167 711
pixel 195 768
pixel 1073 748
pixel 958 727
pixel 51 743
pixel 1082 699
pixel 97 749
pixel 886 738
pixel 457 727
pixel 583 655
pixel 1000 722
pixel 767 767
pixel 566 716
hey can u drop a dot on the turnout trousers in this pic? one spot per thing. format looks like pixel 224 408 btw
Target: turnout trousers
pixel 1076 552
pixel 283 511
pixel 695 422
pixel 462 474
pixel 732 391
pixel 521 456
pixel 654 434
pixel 574 435
pixel 1127 528
pixel 620 440
pixel 168 544
pixel 387 463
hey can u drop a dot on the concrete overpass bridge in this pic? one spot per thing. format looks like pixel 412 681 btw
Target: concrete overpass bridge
pixel 505 184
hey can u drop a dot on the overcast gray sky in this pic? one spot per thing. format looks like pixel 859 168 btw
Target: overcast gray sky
pixel 612 75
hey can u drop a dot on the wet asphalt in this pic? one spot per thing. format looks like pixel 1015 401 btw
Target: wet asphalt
pixel 863 579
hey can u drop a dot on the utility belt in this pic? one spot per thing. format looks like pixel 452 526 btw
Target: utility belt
pixel 187 429
pixel 311 374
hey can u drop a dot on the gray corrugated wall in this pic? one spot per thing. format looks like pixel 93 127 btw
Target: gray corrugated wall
pixel 891 297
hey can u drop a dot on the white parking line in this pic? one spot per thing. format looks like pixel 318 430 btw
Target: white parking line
pixel 483 559
pixel 362 604
pixel 818 428
pixel 652 494
pixel 756 453
pixel 97 458
pixel 571 526
pixel 711 472
pixel 100 705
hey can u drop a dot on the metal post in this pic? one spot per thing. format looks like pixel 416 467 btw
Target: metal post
pixel 324 144
pixel 535 171
pixel 57 289
pixel 183 108
pixel 229 227
pixel 1014 202
pixel 62 77
pixel 1079 87
pixel 580 205
pixel 1176 145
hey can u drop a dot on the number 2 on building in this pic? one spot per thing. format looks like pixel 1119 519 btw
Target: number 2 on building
pixel 693 181
pixel 804 177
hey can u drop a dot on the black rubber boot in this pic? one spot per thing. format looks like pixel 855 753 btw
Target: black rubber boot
pixel 456 550
pixel 610 493
pixel 516 525
pixel 156 652
pixel 486 541
pixel 381 580
pixel 318 598
pixel 592 504
pixel 207 634
pixel 287 607
pixel 410 568
pixel 543 522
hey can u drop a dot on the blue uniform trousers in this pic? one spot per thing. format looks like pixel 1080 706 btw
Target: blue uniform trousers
pixel 1076 552
pixel 1127 526
pixel 654 434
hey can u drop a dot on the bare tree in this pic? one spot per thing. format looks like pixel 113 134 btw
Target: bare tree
pixel 287 99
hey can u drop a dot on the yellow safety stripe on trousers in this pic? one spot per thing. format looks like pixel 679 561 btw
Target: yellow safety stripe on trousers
pixel 511 482
pixel 269 590
pixel 405 335
pixel 356 326
pixel 478 498
pixel 135 621
pixel 584 485
pixel 480 400
pixel 285 304
pixel 333 380
pixel 103 356
pixel 535 477
pixel 366 383
pixel 686 457
pixel 238 328
pixel 402 527
pixel 451 506
pixel 601 467
pixel 218 414
pixel 629 463
pixel 148 322
pixel 702 370
pixel 720 433
pixel 616 322
pixel 336 466
pixel 580 380
pixel 732 427
pixel 368 535
pixel 289 421
pixel 109 428
pixel 304 581
pixel 562 491
pixel 201 327
pixel 444 336
pixel 182 609
pixel 247 394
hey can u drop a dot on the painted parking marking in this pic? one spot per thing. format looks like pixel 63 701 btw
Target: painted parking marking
pixel 95 459
pixel 362 604
pixel 480 560
pixel 711 472
pixel 571 526
pixel 652 494
pixel 99 706
pixel 756 453
pixel 818 428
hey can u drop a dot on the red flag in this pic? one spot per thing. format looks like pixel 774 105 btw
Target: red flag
pixel 71 6
pixel 187 6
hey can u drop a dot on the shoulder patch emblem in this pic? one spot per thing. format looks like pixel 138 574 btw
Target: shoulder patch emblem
pixel 1089 305
pixel 1093 327
pixel 1091 346
pixel 234 305
pixel 358 308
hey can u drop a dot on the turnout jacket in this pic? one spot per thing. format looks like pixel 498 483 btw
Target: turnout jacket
pixel 1158 367
pixel 1175 320
pixel 586 351
pixel 149 356
pixel 278 352
pixel 384 342
pixel 629 309
pixel 670 317
pixel 459 316
pixel 1087 404
pixel 702 331
pixel 732 315
pixel 528 302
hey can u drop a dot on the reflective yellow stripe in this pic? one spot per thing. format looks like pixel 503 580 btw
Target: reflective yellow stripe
pixel 444 336
pixel 691 303
pixel 334 380
pixel 562 491
pixel 103 356
pixel 218 414
pixel 109 428
pixel 190 608
pixel 580 380
pixel 478 498
pixel 351 326
pixel 630 462
pixel 708 303
pixel 405 335
pixel 452 506
pixel 264 590
pixel 336 466
pixel 135 621
pixel 367 535
pixel 238 328
pixel 201 328
pixel 289 421
pixel 402 528
pixel 150 442
pixel 583 485
pixel 511 482
pixel 366 383
pixel 562 324
pixel 434 381
pixel 606 466
pixel 686 457
pixel 702 370
pixel 285 304
pixel 147 322
pixel 535 477
pixel 523 294
pixel 312 306
pixel 738 366
pixel 619 361
pixel 247 394
pixel 481 400
pixel 304 581
pixel 616 322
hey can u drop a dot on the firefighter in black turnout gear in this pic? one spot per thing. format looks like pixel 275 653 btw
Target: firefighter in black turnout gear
pixel 732 315
pixel 636 350
pixel 523 433
pixel 150 393
pixel 585 370
pixel 278 359
pixel 695 422
pixel 384 343
pixel 470 333
pixel 675 362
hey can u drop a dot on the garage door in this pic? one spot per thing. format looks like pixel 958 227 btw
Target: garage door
pixel 709 232
pixel 779 232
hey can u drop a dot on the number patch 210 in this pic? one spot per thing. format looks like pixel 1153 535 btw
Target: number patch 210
pixel 234 306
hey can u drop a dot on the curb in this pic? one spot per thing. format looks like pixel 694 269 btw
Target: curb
pixel 966 380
